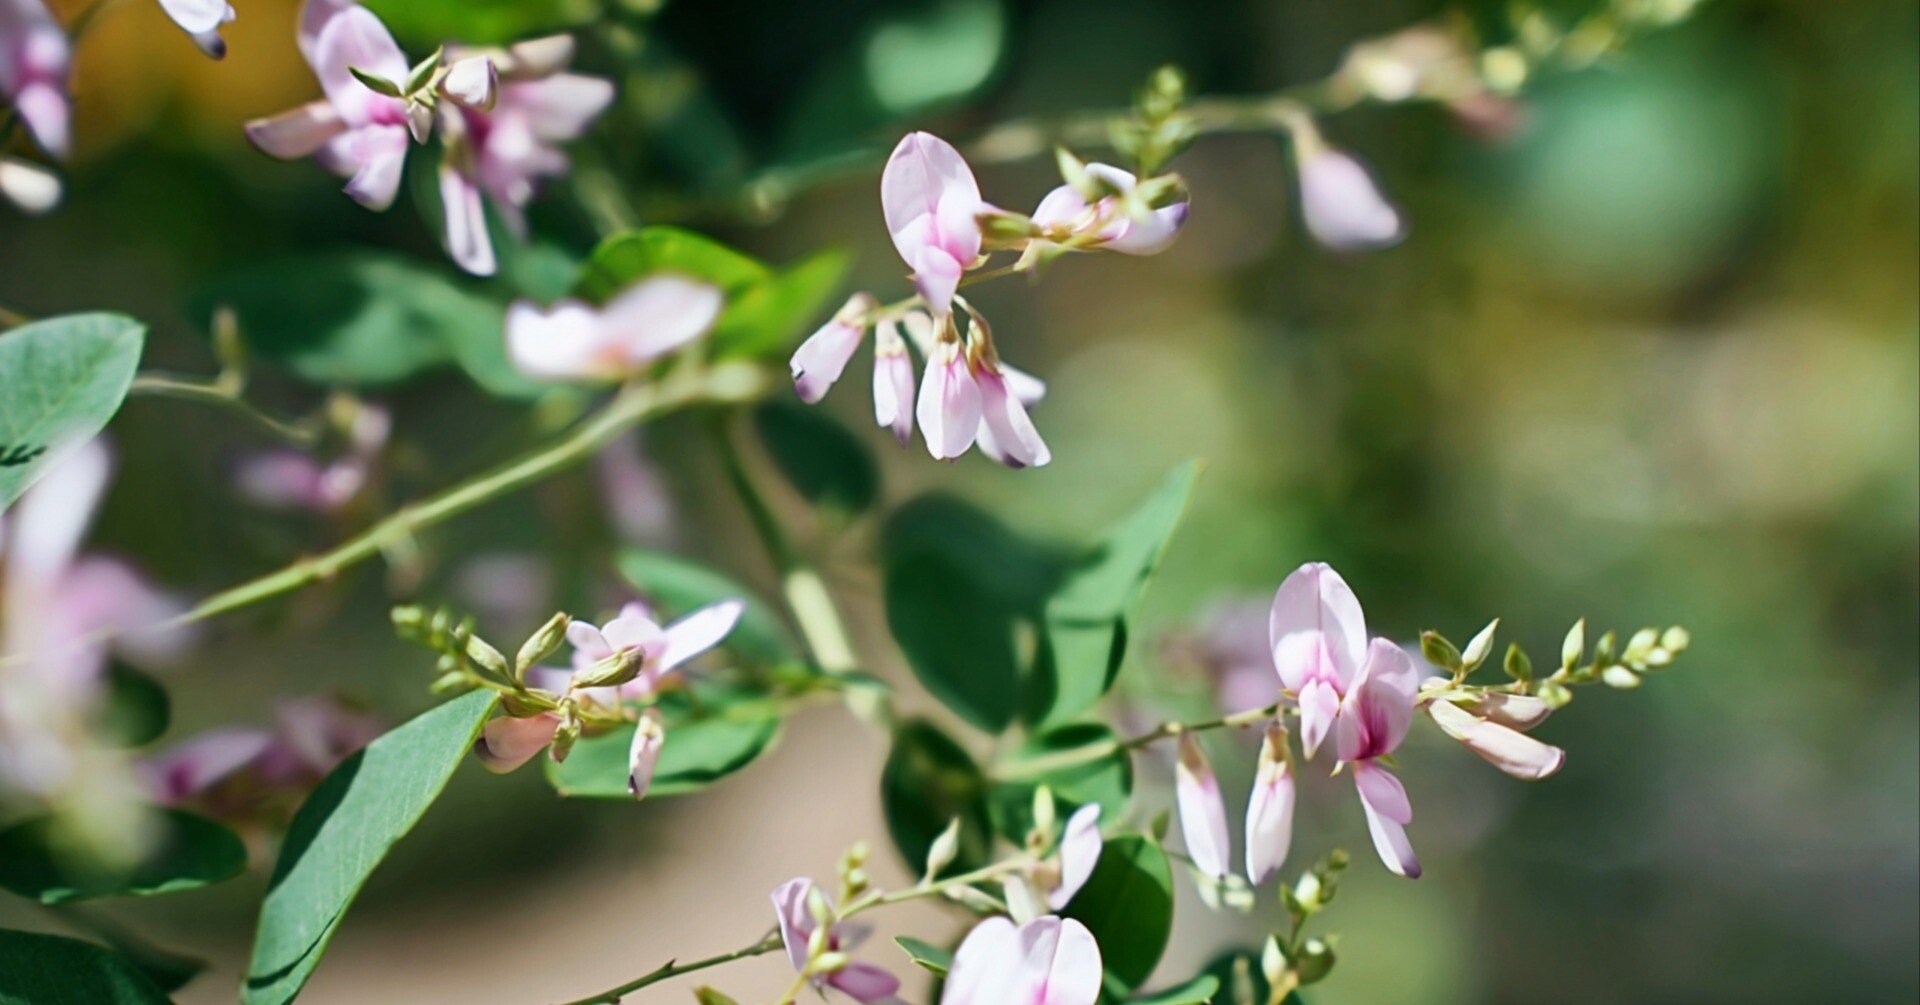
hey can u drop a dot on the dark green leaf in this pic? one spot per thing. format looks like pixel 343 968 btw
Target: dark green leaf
pixel 962 592
pixel 834 469
pixel 929 780
pixel 40 969
pixel 1198 991
pixel 187 852
pixel 680 586
pixel 1087 619
pixel 423 24
pixel 1095 770
pixel 1128 906
pixel 343 831
pixel 702 746
pixel 931 958
pixel 60 381
pixel 136 709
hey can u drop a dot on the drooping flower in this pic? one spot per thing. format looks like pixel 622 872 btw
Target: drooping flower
pixel 1319 640
pixel 863 982
pixel 893 380
pixel 1494 729
pixel 1065 213
pixel 824 356
pixel 1006 434
pixel 1340 202
pixel 932 203
pixel 355 132
pixel 1373 720
pixel 949 405
pixel 508 741
pixel 576 341
pixel 34 61
pixel 1270 809
pixel 201 20
pixel 512 109
pixel 289 479
pixel 1203 815
pixel 1047 961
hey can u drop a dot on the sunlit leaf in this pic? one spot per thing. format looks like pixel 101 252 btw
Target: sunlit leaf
pixel 60 381
pixel 427 23
pixel 704 744
pixel 187 852
pixel 344 830
pixel 38 969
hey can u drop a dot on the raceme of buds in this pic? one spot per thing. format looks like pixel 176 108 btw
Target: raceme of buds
pixel 1270 809
pixel 34 61
pixel 817 945
pixel 201 20
pixel 1203 815
pixel 576 341
pixel 1047 961
pixel 1340 202
pixel 931 203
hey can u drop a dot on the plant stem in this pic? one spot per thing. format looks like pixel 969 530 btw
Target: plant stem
pixel 225 394
pixel 767 944
pixel 1040 766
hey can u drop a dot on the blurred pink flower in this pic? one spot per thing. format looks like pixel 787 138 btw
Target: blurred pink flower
pixel 201 20
pixel 1065 209
pixel 254 775
pixel 34 60
pixel 1047 961
pixel 1203 814
pixel 354 131
pixel 288 479
pixel 1006 433
pixel 931 203
pixel 863 982
pixel 576 341
pixel 1227 644
pixel 1341 203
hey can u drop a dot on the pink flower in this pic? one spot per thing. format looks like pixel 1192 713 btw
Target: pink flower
pixel 34 59
pixel 293 480
pixel 1006 433
pixel 201 20
pixel 1494 729
pixel 1079 852
pixel 312 736
pixel 576 341
pixel 1319 640
pixel 893 381
pixel 1047 961
pixel 355 132
pixel 192 767
pixel 1065 212
pixel 825 354
pixel 1270 810
pixel 507 742
pixel 1341 204
pixel 1203 816
pixel 949 406
pixel 863 982
pixel 931 203
pixel 1373 720
pixel 1229 646
pixel 511 111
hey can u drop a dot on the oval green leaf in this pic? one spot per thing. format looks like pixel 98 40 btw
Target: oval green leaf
pixel 1081 762
pixel 925 955
pixel 38 969
pixel 927 782
pixel 343 830
pixel 828 465
pixel 697 752
pixel 188 852
pixel 1128 906
pixel 60 381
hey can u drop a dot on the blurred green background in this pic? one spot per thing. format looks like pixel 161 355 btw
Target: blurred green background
pixel 1651 359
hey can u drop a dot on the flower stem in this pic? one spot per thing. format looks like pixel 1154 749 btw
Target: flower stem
pixel 1037 767
pixel 767 944
pixel 225 394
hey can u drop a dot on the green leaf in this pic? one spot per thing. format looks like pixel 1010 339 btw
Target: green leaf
pixel 135 710
pixel 1095 770
pixel 829 466
pixel 1087 620
pixel 60 381
pixel 927 956
pixel 1198 991
pixel 680 586
pixel 188 852
pixel 368 319
pixel 765 309
pixel 702 746
pixel 1128 906
pixel 963 594
pixel 426 23
pixel 38 969
pixel 343 831
pixel 929 780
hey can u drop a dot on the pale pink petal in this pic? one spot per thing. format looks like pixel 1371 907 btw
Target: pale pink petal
pixel 588 642
pixel 660 314
pixel 1379 706
pixel 563 343
pixel 795 921
pixel 560 107
pixel 1514 711
pixel 1342 205
pixel 1319 708
pixel 823 357
pixel 1387 810
pixel 199 764
pixel 893 384
pixel 865 982
pixel 297 133
pixel 949 405
pixel 1511 751
pixel 508 742
pixel 473 82
pixel 1270 810
pixel 1203 815
pixel 1080 846
pixel 643 755
pixel 196 16
pixel 1062 207
pixel 1315 599
pixel 1006 432
pixel 467 240
pixel 381 155
pixel 535 58
pixel 106 595
pixel 1153 234
pixel 700 631
pixel 48 114
pixel 1059 965
pixel 49 521
pixel 354 39
pixel 986 965
pixel 922 172
pixel 314 15
pixel 1025 387
pixel 936 274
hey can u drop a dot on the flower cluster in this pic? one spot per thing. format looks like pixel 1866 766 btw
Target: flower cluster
pixel 253 775
pixel 943 229
pixel 501 115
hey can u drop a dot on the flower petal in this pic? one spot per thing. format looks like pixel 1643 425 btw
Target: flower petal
pixel 1270 809
pixel 893 384
pixel 923 172
pixel 660 314
pixel 1385 802
pixel 297 133
pixel 355 39
pixel 1203 815
pixel 795 921
pixel 507 742
pixel 643 755
pixel 700 631
pixel 865 982
pixel 985 966
pixel 1342 204
pixel 467 240
pixel 1510 750
pixel 949 405
pixel 1315 599
pixel 1006 432
pixel 1080 846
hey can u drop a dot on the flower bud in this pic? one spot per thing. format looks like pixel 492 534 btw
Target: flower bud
pixel 473 82
pixel 1638 646
pixel 29 186
pixel 827 963
pixel 618 668
pixel 1045 816
pixel 488 658
pixel 566 736
pixel 706 995
pixel 541 644
pixel 1478 648
pixel 944 849
pixel 1620 678
pixel 1273 961
pixel 1574 646
pixel 1676 639
pixel 1439 651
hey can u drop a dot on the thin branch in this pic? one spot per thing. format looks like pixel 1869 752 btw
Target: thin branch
pixel 227 394
pixel 767 944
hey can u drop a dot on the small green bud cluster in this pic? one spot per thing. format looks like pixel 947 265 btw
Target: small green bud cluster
pixel 1617 666
pixel 1296 959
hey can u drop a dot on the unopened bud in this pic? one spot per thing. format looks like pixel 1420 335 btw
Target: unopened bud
pixel 474 82
pixel 1273 962
pixel 1555 695
pixel 1639 645
pixel 1044 814
pixel 541 643
pixel 1439 651
pixel 488 658
pixel 33 188
pixel 828 963
pixel 1478 648
pixel 1619 677
pixel 619 668
pixel 1574 646
pixel 1306 893
pixel 706 995
pixel 972 899
pixel 817 907
pixel 566 736
pixel 1676 639
pixel 1003 227
pixel 944 849
pixel 1518 665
